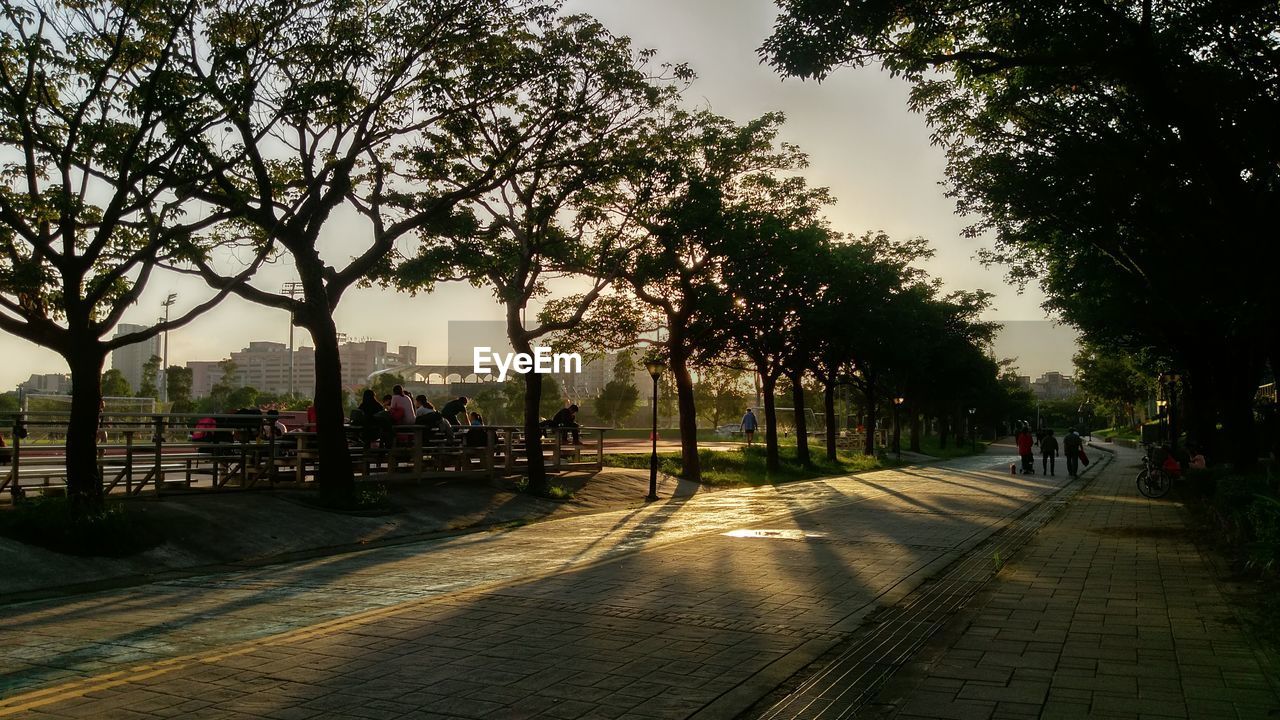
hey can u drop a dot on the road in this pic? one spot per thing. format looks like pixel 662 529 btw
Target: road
pixel 692 606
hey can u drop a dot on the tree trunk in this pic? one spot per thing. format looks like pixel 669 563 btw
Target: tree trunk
pixel 691 467
pixel 802 422
pixel 829 412
pixel 915 431
pixel 84 482
pixel 770 423
pixel 537 469
pixel 944 431
pixel 334 473
pixel 869 391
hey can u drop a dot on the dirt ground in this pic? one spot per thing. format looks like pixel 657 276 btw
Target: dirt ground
pixel 211 532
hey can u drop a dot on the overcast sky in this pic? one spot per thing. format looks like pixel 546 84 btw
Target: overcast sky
pixel 864 144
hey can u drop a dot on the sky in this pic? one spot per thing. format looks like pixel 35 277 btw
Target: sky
pixel 863 143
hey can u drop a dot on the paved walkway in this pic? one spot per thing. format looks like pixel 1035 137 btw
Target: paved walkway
pixel 698 605
pixel 1110 612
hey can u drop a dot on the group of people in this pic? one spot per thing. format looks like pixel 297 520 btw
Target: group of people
pixel 1072 447
pixel 400 407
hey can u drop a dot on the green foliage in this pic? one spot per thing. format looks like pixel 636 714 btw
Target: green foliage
pixel 1119 153
pixel 59 524
pixel 9 401
pixel 115 385
pixel 383 382
pixel 512 398
pixel 720 395
pixel 178 382
pixel 616 402
pixel 1115 380
pixel 150 372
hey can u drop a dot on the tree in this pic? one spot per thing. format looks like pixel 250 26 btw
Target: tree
pixel 335 104
pixel 384 382
pixel 114 384
pixel 178 381
pixel 617 400
pixel 719 393
pixel 1114 380
pixel 90 114
pixel 150 370
pixel 1104 145
pixel 699 164
pixel 849 323
pixel 775 239
pixel 564 143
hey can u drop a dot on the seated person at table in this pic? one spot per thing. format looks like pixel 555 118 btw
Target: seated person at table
pixel 437 428
pixel 401 406
pixel 453 408
pixel 567 418
pixel 477 436
pixel 421 406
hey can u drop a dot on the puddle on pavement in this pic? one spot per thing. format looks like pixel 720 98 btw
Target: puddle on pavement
pixel 791 534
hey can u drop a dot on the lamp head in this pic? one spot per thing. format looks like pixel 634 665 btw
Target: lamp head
pixel 655 367
pixel 899 400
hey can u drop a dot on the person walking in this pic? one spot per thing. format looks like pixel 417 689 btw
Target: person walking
pixel 1026 444
pixel 1048 451
pixel 749 425
pixel 1071 444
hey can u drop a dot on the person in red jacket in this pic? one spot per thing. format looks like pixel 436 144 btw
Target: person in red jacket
pixel 1025 443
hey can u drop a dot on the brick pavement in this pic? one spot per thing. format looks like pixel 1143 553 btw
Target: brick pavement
pixel 1110 612
pixel 652 612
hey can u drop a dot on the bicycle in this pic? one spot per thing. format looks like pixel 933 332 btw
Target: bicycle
pixel 1153 480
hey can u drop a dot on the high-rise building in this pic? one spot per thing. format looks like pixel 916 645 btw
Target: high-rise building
pixel 266 367
pixel 48 384
pixel 130 358
pixel 1053 386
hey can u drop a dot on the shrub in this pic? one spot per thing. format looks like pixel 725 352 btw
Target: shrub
pixel 55 523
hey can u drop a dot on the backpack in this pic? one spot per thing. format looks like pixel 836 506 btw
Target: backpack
pixel 204 431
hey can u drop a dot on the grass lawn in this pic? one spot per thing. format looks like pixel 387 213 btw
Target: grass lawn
pixel 1123 433
pixel 746 466
pixel 664 434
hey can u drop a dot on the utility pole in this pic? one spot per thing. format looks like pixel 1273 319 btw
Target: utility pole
pixel 164 362
pixel 293 290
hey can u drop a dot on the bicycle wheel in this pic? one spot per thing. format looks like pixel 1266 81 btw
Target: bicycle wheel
pixel 1144 483
pixel 1160 484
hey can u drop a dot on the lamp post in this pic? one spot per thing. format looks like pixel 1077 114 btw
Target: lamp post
pixel 293 290
pixel 897 428
pixel 973 435
pixel 655 368
pixel 164 364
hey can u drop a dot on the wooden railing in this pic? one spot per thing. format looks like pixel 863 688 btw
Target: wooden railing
pixel 161 453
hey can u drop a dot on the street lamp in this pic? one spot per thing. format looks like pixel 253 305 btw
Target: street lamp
pixel 655 368
pixel 973 436
pixel 293 290
pixel 897 428
pixel 164 369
